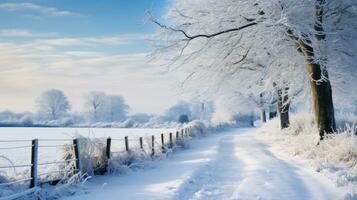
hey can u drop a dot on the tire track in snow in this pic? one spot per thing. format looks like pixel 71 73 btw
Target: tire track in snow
pixel 245 169
pixel 215 179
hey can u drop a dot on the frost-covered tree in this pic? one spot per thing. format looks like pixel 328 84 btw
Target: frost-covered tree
pixel 105 108
pixel 53 104
pixel 115 108
pixel 214 38
pixel 94 104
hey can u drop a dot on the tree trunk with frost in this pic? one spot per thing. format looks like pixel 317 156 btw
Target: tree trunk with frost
pixel 322 100
pixel 321 91
pixel 252 119
pixel 262 109
pixel 320 84
pixel 283 107
pixel 263 115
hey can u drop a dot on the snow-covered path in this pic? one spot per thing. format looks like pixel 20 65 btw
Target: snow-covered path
pixel 231 165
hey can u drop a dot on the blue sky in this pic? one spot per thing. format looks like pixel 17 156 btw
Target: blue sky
pixel 68 18
pixel 79 46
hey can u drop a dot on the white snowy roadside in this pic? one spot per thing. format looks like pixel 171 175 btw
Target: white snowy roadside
pixel 229 165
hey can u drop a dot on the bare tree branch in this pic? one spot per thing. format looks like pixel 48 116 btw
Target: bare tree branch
pixel 191 37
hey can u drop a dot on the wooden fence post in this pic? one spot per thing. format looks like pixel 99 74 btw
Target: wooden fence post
pixel 141 143
pixel 171 143
pixel 77 154
pixel 126 143
pixel 107 152
pixel 152 145
pixel 177 137
pixel 34 161
pixel 162 143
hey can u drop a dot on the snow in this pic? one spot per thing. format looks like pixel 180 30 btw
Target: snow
pixel 234 164
pixel 335 157
pixel 52 151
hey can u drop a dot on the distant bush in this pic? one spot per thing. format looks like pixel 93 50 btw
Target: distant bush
pixel 183 119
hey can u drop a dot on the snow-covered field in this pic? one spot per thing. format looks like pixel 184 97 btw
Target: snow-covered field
pixel 230 165
pixel 51 139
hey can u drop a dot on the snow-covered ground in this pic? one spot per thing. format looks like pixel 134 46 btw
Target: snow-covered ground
pixel 230 165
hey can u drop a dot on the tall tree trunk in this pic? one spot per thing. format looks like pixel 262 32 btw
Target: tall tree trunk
pixel 252 119
pixel 283 107
pixel 321 91
pixel 272 111
pixel 322 100
pixel 320 83
pixel 263 115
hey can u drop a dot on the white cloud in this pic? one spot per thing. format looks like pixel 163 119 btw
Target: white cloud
pixel 101 40
pixel 23 33
pixel 83 53
pixel 44 10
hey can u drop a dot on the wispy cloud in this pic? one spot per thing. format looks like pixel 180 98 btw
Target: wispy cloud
pixel 22 33
pixel 99 40
pixel 44 10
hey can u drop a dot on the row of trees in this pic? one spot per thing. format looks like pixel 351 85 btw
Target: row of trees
pixel 99 107
pixel 266 52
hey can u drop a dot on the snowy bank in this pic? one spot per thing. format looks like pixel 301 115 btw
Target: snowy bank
pixel 335 156
pixel 94 161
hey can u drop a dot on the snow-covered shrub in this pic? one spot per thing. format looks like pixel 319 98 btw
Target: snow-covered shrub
pixel 68 186
pixel 345 119
pixel 137 158
pixel 7 190
pixel 126 161
pixel 197 128
pixel 92 155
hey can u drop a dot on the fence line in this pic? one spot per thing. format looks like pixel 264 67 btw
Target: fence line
pixel 55 140
pixel 15 166
pixel 13 141
pixel 57 171
pixel 59 145
pixel 16 147
pixel 34 175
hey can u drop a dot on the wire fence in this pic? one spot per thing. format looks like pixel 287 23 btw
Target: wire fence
pixel 151 145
